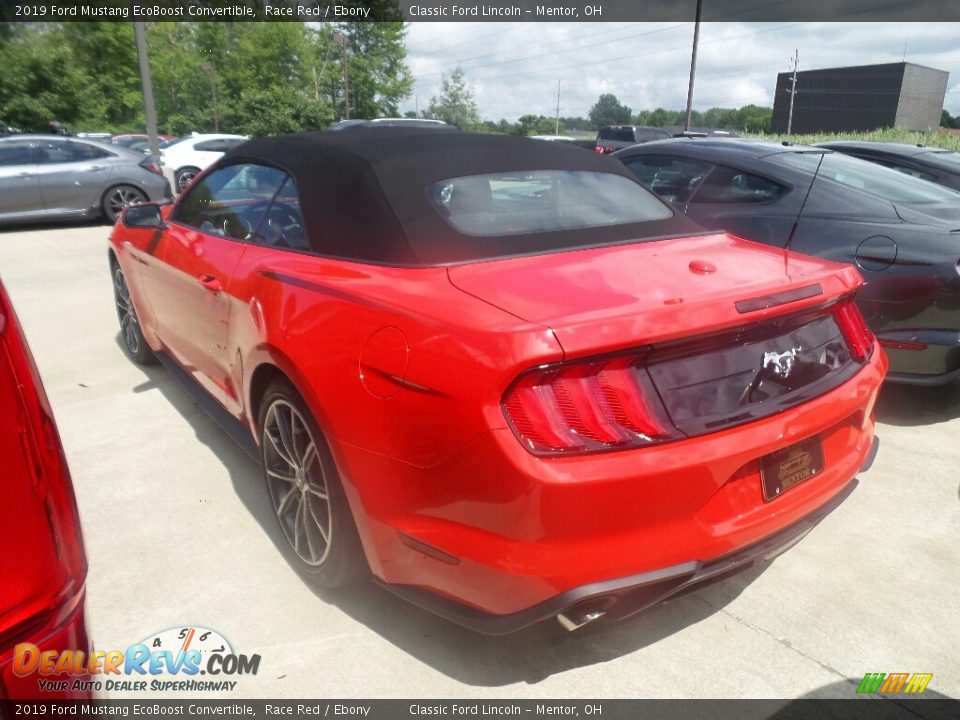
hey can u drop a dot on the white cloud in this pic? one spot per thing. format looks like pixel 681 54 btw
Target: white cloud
pixel 513 67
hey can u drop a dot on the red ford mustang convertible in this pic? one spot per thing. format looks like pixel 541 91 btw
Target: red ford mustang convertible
pixel 499 374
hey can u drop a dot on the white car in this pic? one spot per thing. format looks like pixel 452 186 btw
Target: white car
pixel 183 160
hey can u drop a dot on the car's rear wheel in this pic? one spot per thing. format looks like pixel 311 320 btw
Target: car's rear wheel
pixel 133 343
pixel 305 491
pixel 117 198
pixel 184 176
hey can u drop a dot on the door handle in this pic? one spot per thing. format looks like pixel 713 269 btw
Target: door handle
pixel 25 175
pixel 95 168
pixel 210 282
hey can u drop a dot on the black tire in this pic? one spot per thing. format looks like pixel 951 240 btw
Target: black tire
pixel 305 491
pixel 131 335
pixel 117 198
pixel 183 176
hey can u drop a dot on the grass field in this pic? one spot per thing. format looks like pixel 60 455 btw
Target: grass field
pixel 943 138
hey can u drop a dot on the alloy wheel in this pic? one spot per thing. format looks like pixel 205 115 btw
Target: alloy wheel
pixel 126 313
pixel 296 482
pixel 119 198
pixel 184 178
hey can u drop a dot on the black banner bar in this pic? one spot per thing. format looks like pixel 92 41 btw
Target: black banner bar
pixel 866 708
pixel 479 10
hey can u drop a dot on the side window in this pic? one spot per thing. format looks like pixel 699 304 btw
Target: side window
pixel 16 153
pixel 672 178
pixel 81 151
pixel 230 202
pixel 729 185
pixel 210 146
pixel 55 152
pixel 282 224
pixel 219 145
pixel 908 170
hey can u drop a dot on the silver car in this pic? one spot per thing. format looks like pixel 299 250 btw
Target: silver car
pixel 47 176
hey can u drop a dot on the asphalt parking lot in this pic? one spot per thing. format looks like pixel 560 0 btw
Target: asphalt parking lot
pixel 179 531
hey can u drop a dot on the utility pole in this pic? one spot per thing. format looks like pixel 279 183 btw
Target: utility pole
pixel 341 40
pixel 556 130
pixel 212 74
pixel 693 65
pixel 793 90
pixel 140 35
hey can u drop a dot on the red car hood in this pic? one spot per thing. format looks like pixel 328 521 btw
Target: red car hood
pixel 612 297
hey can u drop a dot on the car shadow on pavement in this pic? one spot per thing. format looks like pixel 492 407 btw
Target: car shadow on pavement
pixel 54 225
pixel 535 653
pixel 529 655
pixel 908 405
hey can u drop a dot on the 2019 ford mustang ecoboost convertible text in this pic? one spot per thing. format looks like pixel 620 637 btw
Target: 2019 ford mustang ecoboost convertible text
pixel 500 374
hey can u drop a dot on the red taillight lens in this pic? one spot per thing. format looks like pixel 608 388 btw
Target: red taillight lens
pixel 585 407
pixel 860 339
pixel 150 163
pixel 43 559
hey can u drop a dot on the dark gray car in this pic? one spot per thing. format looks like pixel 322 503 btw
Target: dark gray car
pixel 929 163
pixel 51 176
pixel 902 233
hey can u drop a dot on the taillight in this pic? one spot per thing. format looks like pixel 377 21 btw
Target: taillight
pixel 598 149
pixel 586 406
pixel 150 163
pixel 43 558
pixel 860 340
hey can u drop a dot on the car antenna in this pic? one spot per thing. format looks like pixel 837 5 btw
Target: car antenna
pixel 796 222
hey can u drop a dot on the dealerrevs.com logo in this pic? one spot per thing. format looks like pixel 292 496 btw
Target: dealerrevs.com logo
pixel 172 660
pixel 894 683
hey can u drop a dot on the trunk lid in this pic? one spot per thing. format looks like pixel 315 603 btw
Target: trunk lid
pixel 727 331
pixel 608 298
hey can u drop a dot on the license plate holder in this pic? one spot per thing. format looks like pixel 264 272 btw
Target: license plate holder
pixel 790 466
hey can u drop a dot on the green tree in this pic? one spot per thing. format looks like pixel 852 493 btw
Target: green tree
pixel 609 111
pixel 455 104
pixel 42 81
pixel 379 78
pixel 107 53
pixel 275 111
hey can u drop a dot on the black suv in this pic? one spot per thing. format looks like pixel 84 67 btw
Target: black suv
pixel 616 137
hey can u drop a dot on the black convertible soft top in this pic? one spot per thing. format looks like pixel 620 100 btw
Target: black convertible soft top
pixel 365 195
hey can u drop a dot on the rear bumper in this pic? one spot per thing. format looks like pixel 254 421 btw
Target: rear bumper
pixel 495 538
pixel 922 357
pixel 620 598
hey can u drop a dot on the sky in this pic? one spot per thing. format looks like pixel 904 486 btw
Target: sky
pixel 513 68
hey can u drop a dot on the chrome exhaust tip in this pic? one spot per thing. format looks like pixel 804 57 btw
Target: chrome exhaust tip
pixel 579 620
pixel 574 618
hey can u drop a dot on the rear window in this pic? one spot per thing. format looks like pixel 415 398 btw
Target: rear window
pixel 512 203
pixel 619 134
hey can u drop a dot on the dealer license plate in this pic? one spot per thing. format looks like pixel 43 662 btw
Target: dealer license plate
pixel 782 469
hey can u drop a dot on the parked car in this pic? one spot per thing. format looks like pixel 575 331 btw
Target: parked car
pixel 389 122
pixel 183 160
pixel 611 138
pixel 50 176
pixel 44 565
pixel 474 364
pixel 900 232
pixel 138 141
pixel 922 161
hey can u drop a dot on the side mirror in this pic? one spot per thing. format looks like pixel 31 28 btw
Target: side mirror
pixel 144 215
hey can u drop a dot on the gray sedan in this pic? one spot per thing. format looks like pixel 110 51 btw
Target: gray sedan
pixel 48 176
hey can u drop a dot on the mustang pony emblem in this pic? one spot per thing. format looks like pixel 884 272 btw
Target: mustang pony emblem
pixel 782 363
